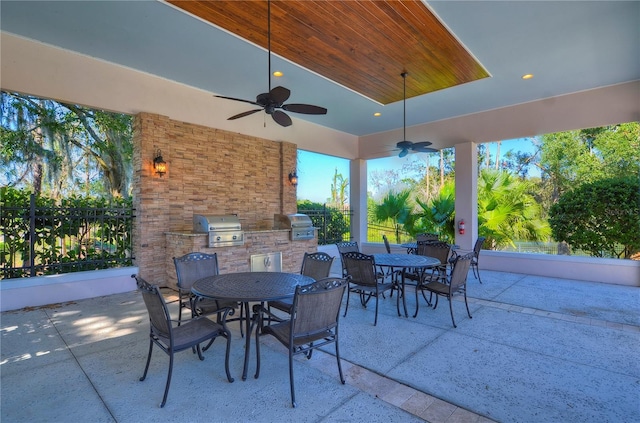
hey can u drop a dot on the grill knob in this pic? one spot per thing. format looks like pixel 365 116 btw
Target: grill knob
pixel 218 238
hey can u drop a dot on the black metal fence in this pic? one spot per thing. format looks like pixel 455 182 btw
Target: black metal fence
pixel 333 223
pixel 375 232
pixel 37 240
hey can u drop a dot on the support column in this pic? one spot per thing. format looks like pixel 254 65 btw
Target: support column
pixel 358 199
pixel 466 193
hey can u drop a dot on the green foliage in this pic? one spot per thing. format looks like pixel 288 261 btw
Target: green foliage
pixel 436 215
pixel 63 149
pixel 70 236
pixel 575 157
pixel 507 211
pixel 330 221
pixel 599 216
pixel 394 208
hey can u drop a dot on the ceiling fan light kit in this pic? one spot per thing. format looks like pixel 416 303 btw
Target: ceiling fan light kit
pixel 405 146
pixel 271 102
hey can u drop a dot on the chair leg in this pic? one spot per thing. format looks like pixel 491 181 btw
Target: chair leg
pixel 226 356
pixel 259 317
pixel 375 322
pixel 146 367
pixel 346 307
pixel 467 304
pixel 209 344
pixel 200 356
pixel 293 389
pixel 451 311
pixel 338 359
pixel 166 389
pixel 417 305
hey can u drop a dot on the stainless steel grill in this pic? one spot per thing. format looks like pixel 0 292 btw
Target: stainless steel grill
pixel 300 225
pixel 224 230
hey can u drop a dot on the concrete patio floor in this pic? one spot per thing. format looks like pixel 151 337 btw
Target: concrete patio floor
pixel 536 350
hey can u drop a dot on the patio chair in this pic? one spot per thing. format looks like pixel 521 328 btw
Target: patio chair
pixel 454 284
pixel 316 265
pixel 363 279
pixel 314 323
pixel 190 268
pixel 391 272
pixel 427 237
pixel 346 247
pixel 170 339
pixel 476 256
pixel 436 249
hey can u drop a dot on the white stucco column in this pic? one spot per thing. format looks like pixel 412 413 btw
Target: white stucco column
pixel 466 193
pixel 358 199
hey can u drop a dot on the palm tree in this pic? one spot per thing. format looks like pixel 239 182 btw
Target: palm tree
pixel 394 207
pixel 437 215
pixel 507 211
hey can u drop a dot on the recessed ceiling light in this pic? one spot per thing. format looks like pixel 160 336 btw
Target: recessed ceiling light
pixel 527 76
pixel 376 114
pixel 278 74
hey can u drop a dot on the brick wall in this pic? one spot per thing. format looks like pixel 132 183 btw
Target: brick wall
pixel 209 171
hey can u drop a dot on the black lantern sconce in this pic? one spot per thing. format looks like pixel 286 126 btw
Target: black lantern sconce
pixel 293 178
pixel 159 165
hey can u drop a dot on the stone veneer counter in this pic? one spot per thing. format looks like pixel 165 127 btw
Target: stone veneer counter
pixel 238 258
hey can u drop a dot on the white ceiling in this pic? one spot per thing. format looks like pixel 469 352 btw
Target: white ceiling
pixel 570 46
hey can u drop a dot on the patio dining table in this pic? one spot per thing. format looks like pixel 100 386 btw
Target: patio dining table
pixel 404 262
pixel 248 287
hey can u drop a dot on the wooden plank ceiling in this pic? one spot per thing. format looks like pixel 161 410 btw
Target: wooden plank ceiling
pixel 361 44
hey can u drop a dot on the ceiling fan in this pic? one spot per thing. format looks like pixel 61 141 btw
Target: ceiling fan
pixel 405 146
pixel 271 102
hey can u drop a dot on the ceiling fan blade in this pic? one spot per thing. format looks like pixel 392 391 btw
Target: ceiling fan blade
pixel 425 150
pixel 305 108
pixel 238 99
pixel 279 95
pixel 404 145
pixel 403 153
pixel 243 114
pixel 281 118
pixel 421 144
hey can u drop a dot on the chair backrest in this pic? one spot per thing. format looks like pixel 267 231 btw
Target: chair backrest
pixel 194 266
pixel 347 247
pixel 361 268
pixel 478 245
pixel 460 271
pixel 159 316
pixel 436 249
pixel 316 307
pixel 386 244
pixel 316 265
pixel 426 237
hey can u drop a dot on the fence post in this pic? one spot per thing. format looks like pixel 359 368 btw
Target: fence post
pixel 324 222
pixel 32 234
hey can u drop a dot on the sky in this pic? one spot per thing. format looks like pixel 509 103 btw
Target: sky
pixel 315 171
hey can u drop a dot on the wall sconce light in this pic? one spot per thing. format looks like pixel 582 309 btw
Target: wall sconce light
pixel 159 165
pixel 293 178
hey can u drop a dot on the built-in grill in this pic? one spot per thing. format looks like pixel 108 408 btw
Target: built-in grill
pixel 300 225
pixel 224 231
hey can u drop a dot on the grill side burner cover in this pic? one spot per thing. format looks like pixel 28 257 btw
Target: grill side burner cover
pixel 223 230
pixel 300 225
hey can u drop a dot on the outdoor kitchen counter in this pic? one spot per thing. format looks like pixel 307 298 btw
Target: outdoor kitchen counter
pixel 238 258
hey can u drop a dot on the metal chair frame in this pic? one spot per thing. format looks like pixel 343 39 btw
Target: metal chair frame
pixel 363 280
pixel 315 265
pixel 455 283
pixel 172 339
pixel 314 323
